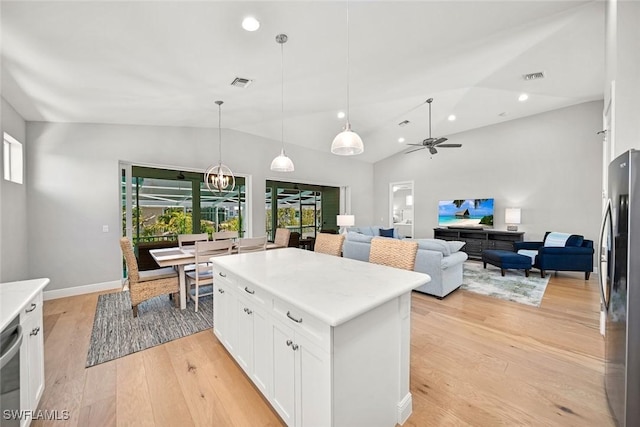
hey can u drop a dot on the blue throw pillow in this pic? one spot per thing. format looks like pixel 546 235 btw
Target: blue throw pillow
pixel 386 232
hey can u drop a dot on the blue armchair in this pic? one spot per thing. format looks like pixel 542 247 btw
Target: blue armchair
pixel 576 255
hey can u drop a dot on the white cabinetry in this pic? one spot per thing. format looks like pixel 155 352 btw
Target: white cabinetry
pixel 31 356
pixel 325 339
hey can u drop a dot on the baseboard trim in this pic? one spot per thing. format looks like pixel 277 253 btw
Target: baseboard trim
pixel 81 290
pixel 405 407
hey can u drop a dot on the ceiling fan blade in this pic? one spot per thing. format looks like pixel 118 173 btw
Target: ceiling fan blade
pixel 415 149
pixel 417 145
pixel 432 150
pixel 450 145
pixel 439 141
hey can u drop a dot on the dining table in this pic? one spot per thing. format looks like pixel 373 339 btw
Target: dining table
pixel 180 257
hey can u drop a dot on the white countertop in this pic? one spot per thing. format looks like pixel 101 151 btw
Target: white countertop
pixel 14 296
pixel 331 288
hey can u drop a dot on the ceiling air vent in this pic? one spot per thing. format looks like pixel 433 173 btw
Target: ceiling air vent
pixel 534 76
pixel 403 123
pixel 241 82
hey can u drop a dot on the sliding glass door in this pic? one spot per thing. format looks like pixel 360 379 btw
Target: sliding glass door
pixel 158 204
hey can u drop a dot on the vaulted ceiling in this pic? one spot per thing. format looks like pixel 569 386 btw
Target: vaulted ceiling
pixel 166 62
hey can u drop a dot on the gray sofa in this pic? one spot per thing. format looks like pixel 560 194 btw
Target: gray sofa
pixel 440 259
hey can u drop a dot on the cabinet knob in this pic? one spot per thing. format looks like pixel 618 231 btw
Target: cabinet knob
pixel 293 318
pixel 30 309
pixel 35 331
pixel 289 342
pixel 249 291
pixel 221 290
pixel 294 347
pixel 222 274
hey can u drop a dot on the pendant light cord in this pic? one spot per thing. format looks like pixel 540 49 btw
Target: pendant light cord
pixel 282 95
pixel 347 63
pixel 220 133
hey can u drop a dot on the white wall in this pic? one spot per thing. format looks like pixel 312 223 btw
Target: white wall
pixel 74 186
pixel 13 208
pixel 548 164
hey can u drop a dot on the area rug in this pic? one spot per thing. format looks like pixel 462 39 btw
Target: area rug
pixel 514 286
pixel 117 333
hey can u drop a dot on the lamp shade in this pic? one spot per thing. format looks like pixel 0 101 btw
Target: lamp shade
pixel 347 143
pixel 345 220
pixel 282 163
pixel 512 215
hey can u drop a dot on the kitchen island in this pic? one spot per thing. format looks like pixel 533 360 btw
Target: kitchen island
pixel 325 339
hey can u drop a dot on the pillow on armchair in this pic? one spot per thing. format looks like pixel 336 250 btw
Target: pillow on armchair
pixel 562 240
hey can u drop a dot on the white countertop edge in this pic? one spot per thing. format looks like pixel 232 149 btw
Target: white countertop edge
pixel 15 296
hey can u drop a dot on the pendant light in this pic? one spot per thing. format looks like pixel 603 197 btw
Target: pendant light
pixel 347 142
pixel 219 177
pixel 282 163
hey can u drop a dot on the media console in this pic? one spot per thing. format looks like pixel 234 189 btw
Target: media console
pixel 478 240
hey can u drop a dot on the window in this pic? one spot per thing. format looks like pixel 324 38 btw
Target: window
pixel 12 159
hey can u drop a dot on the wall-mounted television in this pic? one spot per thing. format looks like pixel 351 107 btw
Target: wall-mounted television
pixel 474 213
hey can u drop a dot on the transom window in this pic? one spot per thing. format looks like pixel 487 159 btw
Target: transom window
pixel 13 159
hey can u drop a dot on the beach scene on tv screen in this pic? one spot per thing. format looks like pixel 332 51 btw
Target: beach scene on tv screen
pixel 465 213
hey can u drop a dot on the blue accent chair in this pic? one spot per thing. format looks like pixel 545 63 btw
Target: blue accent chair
pixel 577 255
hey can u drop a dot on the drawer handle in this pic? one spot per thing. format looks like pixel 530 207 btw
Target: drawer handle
pixel 294 347
pixel 35 331
pixel 30 309
pixel 222 274
pixel 249 291
pixel 289 342
pixel 293 318
pixel 221 290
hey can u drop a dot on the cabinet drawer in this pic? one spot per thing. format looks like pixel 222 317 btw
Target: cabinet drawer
pixel 33 309
pixel 251 292
pixel 302 322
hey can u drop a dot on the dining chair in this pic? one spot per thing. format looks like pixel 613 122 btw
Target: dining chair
pixel 330 244
pixel 252 244
pixel 202 274
pixel 224 235
pixel 144 285
pixel 393 253
pixel 282 237
pixel 191 239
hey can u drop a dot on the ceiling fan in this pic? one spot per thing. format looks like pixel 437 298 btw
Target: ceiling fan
pixel 431 142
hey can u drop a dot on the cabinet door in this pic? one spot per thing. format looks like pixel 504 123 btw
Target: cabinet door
pixel 224 309
pixel 244 345
pixel 31 357
pixel 313 384
pixel 262 353
pixel 283 397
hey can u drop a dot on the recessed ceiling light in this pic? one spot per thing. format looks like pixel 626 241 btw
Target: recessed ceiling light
pixel 341 114
pixel 401 140
pixel 451 117
pixel 523 97
pixel 250 23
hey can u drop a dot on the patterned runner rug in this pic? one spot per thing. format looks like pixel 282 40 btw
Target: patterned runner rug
pixel 117 333
pixel 514 286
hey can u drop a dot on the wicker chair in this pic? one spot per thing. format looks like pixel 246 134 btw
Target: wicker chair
pixel 144 285
pixel 202 275
pixel 282 237
pixel 330 244
pixel 393 253
pixel 252 244
pixel 224 235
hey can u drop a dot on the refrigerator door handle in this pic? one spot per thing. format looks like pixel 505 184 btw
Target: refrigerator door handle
pixel 607 218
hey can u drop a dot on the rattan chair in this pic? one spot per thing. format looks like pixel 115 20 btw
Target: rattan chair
pixel 202 274
pixel 282 237
pixel 224 235
pixel 393 253
pixel 144 285
pixel 252 244
pixel 330 244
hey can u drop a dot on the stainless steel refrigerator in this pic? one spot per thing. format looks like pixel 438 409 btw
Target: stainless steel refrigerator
pixel 619 257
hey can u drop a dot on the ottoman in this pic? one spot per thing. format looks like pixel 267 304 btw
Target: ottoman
pixel 506 259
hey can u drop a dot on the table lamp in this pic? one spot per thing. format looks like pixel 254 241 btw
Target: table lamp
pixel 345 221
pixel 511 218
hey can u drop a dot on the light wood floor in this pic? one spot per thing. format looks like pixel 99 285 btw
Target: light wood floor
pixel 475 361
